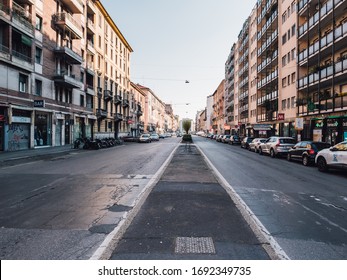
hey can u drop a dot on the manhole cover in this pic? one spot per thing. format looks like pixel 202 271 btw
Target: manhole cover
pixel 194 245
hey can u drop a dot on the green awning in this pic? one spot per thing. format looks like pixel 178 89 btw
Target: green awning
pixel 26 40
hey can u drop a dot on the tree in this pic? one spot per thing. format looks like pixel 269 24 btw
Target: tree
pixel 186 125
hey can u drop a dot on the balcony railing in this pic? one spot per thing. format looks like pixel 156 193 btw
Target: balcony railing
pixel 66 20
pixel 108 94
pixel 125 102
pixel 101 113
pixel 324 73
pixel 75 6
pixel 71 56
pixel 118 117
pixel 268 42
pixel 338 32
pixel 117 99
pixel 267 61
pixel 267 24
pixel 268 97
pixel 67 80
pixel 268 79
pixel 326 8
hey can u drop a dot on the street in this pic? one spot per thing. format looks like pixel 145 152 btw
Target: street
pixel 302 208
pixel 63 207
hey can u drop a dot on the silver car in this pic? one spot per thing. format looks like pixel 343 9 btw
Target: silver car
pixel 276 146
pixel 254 145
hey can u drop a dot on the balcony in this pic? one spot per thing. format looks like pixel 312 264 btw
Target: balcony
pixel 66 21
pixel 117 99
pixel 70 56
pixel 101 113
pixel 68 81
pixel 90 90
pixel 139 112
pixel 268 79
pixel 75 6
pixel 5 52
pixel 268 42
pixel 90 47
pixel 91 7
pixel 118 117
pixel 29 2
pixel 22 61
pixel 108 95
pixel 22 23
pixel 5 12
pixel 90 26
pixel 125 103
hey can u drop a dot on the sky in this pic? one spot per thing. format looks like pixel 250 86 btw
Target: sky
pixel 175 41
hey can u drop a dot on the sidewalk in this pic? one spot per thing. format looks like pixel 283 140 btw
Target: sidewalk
pixel 7 157
pixel 188 215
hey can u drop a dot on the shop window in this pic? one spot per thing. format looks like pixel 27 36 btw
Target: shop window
pixel 23 83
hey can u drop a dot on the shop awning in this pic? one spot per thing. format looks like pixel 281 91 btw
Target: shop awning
pixel 258 127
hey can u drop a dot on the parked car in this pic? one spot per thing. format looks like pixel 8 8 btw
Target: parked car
pixel 235 139
pixel 306 151
pixel 334 157
pixel 145 138
pixel 226 139
pixel 162 136
pixel 276 146
pixel 246 141
pixel 154 137
pixel 219 138
pixel 254 145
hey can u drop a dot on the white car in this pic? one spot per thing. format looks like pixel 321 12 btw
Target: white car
pixel 334 157
pixel 145 138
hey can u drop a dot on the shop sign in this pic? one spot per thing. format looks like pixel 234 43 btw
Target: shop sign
pixel 332 123
pixel 39 103
pixel 262 127
pixel 319 124
pixel 299 123
pixel 130 121
pixel 280 117
pixel 16 119
pixel 2 118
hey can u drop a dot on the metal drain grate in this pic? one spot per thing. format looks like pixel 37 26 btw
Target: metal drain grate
pixel 194 245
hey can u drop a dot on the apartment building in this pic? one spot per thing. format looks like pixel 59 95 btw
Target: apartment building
pixel 63 65
pixel 209 114
pixel 229 94
pixel 218 109
pixel 322 64
pixel 113 100
pixel 137 107
pixel 154 112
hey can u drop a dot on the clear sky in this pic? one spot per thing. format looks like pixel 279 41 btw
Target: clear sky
pixel 179 40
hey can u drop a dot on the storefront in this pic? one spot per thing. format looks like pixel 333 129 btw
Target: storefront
pixel 331 130
pixel 263 130
pixel 18 130
pixel 42 129
pixel 2 127
pixel 59 129
pixel 287 130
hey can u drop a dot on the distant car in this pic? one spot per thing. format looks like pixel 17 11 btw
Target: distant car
pixel 246 141
pixel 145 138
pixel 219 138
pixel 154 137
pixel 254 145
pixel 276 146
pixel 334 157
pixel 162 136
pixel 306 151
pixel 179 134
pixel 235 139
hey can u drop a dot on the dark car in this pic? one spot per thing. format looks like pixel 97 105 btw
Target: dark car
pixel 306 151
pixel 246 141
pixel 235 139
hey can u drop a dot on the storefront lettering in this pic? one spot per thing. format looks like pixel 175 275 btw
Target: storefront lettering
pixel 319 124
pixel 333 124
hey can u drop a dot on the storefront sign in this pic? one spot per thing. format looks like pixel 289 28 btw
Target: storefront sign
pixel 317 135
pixel 280 117
pixel 299 123
pixel 130 121
pixel 2 118
pixel 262 127
pixel 39 103
pixel 16 119
pixel 332 123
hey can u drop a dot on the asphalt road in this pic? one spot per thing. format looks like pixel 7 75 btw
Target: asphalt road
pixel 62 207
pixel 303 209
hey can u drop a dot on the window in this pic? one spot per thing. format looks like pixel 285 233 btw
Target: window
pixel 293 30
pixel 284 17
pixel 293 77
pixel 38 24
pixel 284 104
pixel 293 54
pixel 288 103
pixel 23 83
pixel 284 39
pixel 293 101
pixel 38 55
pixel 99 41
pixel 284 82
pixel 284 60
pixel 38 87
pixel 82 100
